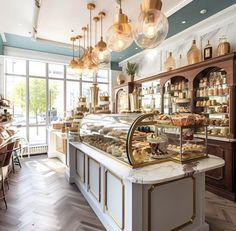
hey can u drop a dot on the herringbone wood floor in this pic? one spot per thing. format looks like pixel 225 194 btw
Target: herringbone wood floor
pixel 220 213
pixel 40 199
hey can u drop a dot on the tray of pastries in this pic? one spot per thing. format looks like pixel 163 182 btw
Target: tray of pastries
pixel 188 147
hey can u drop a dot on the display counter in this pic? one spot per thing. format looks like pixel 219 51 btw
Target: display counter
pixel 164 196
pixel 58 144
pixel 143 172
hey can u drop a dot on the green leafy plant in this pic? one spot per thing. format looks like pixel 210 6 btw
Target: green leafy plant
pixel 131 68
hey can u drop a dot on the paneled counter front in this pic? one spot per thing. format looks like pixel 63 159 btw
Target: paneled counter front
pixel 164 196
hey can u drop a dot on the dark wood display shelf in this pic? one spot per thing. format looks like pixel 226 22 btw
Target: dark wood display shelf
pixel 221 181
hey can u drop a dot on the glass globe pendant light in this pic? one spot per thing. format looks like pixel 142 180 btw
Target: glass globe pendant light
pixel 119 35
pixel 89 65
pixel 80 62
pixel 73 62
pixel 101 55
pixel 152 26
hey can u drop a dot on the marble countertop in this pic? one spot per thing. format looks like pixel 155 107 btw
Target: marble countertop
pixel 152 174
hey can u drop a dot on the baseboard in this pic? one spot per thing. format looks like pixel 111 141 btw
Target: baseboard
pixel 35 154
pixel 221 192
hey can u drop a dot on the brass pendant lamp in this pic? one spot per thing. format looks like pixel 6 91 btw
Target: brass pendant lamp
pixel 80 62
pixel 101 54
pixel 152 26
pixel 73 62
pixel 88 61
pixel 119 35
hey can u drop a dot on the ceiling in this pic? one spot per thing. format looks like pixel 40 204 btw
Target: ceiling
pixel 57 19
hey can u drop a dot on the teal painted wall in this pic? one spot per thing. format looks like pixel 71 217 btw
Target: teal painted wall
pixel 1 45
pixel 115 66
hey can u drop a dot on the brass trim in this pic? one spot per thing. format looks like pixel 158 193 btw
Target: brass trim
pixel 80 177
pixel 152 188
pixel 121 226
pixel 96 18
pixel 101 14
pixel 147 5
pixel 97 197
pixel 91 6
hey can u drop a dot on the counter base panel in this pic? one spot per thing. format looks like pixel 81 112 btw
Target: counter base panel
pixel 124 205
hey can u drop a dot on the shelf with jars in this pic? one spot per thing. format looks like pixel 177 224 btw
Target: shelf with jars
pixel 212 100
pixel 176 96
pixel 214 94
pixel 150 96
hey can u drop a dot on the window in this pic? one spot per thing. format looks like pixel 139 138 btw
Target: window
pixel 72 94
pixel 55 71
pixel 16 92
pixel 37 101
pixel 15 66
pixel 37 68
pixel 42 92
pixel 56 100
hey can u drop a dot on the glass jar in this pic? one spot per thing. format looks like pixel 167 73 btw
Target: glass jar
pixel 216 91
pixel 221 91
pixel 223 47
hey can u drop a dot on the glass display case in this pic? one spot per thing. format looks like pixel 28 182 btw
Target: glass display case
pixel 139 140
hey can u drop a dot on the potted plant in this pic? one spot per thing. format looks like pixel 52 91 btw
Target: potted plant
pixel 130 70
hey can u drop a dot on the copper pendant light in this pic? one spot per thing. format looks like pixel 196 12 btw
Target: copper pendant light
pixel 119 35
pixel 73 62
pixel 80 62
pixel 88 61
pixel 101 55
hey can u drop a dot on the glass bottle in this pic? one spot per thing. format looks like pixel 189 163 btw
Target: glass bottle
pixel 170 63
pixel 180 61
pixel 223 47
pixel 207 51
pixel 194 54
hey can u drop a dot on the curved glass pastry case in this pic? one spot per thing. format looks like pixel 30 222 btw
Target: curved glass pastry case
pixel 138 140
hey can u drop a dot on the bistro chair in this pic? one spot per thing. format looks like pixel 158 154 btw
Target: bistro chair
pixel 16 153
pixel 5 159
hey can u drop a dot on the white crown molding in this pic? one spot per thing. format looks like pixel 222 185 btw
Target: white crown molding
pixel 217 20
pixel 35 55
pixel 177 7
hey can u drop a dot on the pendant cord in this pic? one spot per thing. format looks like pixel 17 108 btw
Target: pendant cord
pixel 79 48
pixel 73 50
pixel 96 39
pixel 84 41
pixel 87 35
pixel 101 28
pixel 90 13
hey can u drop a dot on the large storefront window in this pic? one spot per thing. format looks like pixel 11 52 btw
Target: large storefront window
pixel 44 92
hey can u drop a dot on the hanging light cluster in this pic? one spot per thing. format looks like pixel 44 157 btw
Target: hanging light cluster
pixel 93 57
pixel 150 30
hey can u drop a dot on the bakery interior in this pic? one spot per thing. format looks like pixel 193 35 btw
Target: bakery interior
pixel 118 115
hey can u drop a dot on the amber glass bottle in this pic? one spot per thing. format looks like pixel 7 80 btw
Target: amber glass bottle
pixel 207 51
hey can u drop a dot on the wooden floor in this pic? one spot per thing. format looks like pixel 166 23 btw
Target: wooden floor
pixel 40 199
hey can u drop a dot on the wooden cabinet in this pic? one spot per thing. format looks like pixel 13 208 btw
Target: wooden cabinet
pixel 221 181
